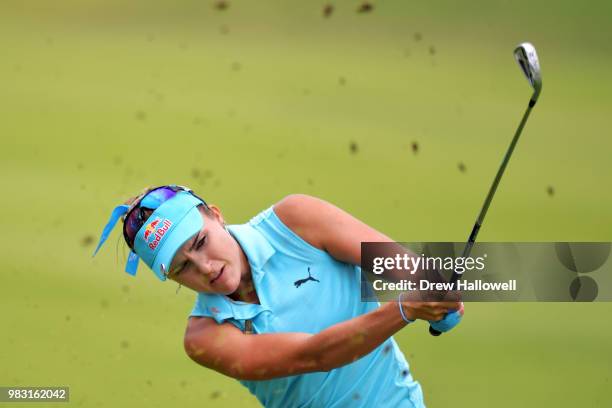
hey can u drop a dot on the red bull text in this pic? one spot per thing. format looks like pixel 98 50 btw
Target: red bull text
pixel 152 231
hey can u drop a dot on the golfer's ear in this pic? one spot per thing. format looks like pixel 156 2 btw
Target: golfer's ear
pixel 215 212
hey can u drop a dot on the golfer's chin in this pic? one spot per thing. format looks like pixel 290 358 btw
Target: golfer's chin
pixel 226 284
pixel 229 289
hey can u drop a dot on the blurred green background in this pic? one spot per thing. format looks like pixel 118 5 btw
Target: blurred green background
pixel 263 99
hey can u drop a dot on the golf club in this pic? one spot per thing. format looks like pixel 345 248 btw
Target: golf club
pixel 527 58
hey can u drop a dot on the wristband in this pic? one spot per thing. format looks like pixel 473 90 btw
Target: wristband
pixel 399 303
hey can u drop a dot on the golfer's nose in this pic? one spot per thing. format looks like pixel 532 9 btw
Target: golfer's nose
pixel 201 263
pixel 205 268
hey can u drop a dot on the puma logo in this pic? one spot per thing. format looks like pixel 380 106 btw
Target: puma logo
pixel 300 282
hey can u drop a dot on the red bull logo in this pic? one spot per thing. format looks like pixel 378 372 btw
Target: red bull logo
pixel 150 229
pixel 155 231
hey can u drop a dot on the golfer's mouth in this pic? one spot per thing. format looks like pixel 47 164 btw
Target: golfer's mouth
pixel 218 276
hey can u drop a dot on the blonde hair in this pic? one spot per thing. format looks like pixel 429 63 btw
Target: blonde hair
pixel 130 201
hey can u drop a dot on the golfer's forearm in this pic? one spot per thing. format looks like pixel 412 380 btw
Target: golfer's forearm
pixel 345 342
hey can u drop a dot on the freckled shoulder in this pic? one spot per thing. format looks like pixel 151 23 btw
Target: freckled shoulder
pixel 302 214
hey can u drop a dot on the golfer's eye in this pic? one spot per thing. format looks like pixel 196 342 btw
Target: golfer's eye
pixel 184 267
pixel 201 242
pixel 180 269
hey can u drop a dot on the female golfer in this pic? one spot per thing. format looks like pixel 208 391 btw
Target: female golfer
pixel 278 299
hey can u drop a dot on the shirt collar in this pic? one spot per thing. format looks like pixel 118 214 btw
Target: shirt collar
pixel 255 246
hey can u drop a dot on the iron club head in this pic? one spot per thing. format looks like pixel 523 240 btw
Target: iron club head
pixel 527 58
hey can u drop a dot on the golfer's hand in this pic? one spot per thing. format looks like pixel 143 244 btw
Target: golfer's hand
pixel 434 312
pixel 449 321
pixel 448 303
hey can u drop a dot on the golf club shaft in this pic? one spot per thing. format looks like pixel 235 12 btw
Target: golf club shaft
pixel 500 172
pixel 483 211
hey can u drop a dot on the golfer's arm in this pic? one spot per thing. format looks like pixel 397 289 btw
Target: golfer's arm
pixel 331 229
pixel 350 340
pixel 226 349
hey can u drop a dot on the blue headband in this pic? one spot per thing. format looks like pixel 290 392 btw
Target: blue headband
pixel 164 232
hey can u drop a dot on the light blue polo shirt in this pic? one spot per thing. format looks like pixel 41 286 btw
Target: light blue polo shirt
pixel 303 289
